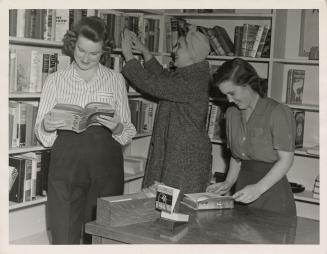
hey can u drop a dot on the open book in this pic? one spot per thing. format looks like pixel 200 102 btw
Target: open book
pixel 207 200
pixel 76 118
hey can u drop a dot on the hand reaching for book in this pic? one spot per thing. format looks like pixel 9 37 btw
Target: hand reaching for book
pixel 220 188
pixel 51 125
pixel 112 123
pixel 126 44
pixel 131 41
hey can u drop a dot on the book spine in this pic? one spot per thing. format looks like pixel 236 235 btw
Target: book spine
pixel 299 120
pixel 262 41
pixel 255 46
pixel 224 40
pixel 238 35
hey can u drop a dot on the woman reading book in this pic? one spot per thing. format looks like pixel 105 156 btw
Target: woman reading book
pixel 180 150
pixel 261 137
pixel 87 165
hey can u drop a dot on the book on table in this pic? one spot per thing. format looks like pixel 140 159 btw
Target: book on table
pixel 76 118
pixel 207 201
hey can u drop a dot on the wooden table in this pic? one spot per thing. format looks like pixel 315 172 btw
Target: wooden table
pixel 241 225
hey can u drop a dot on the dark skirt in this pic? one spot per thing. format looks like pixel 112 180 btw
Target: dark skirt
pixel 279 198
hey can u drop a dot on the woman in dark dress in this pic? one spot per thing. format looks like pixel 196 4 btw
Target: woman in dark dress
pixel 180 150
pixel 261 137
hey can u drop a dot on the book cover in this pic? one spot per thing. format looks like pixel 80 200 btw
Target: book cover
pixel 207 201
pixel 299 116
pixel 166 198
pixel 295 85
pixel 262 41
pixel 76 118
pixel 224 40
pixel 238 35
pixel 61 24
pixel 16 193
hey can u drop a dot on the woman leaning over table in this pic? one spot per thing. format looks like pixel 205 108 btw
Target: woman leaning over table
pixel 87 165
pixel 261 137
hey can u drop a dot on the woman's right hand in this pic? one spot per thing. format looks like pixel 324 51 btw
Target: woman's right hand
pixel 220 188
pixel 50 125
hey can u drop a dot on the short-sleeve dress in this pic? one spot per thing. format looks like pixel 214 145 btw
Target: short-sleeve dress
pixel 255 142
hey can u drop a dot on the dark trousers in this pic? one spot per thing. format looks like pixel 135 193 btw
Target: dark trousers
pixel 83 167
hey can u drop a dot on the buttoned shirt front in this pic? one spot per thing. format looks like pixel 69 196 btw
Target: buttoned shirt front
pixel 66 86
pixel 271 127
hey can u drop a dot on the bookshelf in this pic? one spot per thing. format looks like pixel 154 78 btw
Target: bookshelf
pixel 283 55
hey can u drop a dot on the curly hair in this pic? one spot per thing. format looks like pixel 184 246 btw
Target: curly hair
pixel 241 73
pixel 92 28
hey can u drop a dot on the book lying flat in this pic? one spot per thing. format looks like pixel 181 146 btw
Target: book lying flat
pixel 207 200
pixel 76 118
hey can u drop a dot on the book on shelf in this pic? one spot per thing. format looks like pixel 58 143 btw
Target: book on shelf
pixel 262 41
pixel 295 85
pixel 265 52
pixel 207 201
pixel 76 118
pixel 215 124
pixel 255 45
pixel 22 116
pixel 12 176
pixel 299 116
pixel 249 36
pixel 238 35
pixel 224 40
pixel 142 114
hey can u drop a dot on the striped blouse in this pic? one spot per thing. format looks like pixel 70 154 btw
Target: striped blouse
pixel 66 86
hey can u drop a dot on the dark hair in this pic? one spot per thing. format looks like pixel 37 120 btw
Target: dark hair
pixel 241 73
pixel 92 28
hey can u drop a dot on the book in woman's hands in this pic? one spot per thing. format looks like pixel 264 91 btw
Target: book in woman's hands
pixel 76 118
pixel 207 201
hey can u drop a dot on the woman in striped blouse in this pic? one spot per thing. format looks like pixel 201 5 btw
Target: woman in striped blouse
pixel 87 165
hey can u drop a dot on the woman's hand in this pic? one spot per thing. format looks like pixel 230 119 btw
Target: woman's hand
pixel 248 194
pixel 126 44
pixel 112 123
pixel 220 188
pixel 50 125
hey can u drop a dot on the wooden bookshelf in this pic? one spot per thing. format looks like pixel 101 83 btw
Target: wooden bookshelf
pixel 27 149
pixel 35 42
pixel 37 201
pixel 307 107
pixel 23 95
pixel 306 196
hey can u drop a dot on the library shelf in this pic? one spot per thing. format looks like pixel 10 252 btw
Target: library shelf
pixel 35 42
pixel 37 201
pixel 142 135
pixel 17 150
pixel 306 196
pixel 303 152
pixel 299 61
pixel 241 16
pixel 249 59
pixel 23 95
pixel 307 107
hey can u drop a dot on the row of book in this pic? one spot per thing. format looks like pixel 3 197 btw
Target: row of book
pixel 28 68
pixel 22 116
pixel 146 27
pixel 316 188
pixel 44 24
pixel 142 114
pixel 295 86
pixel 215 123
pixel 249 40
pixel 28 176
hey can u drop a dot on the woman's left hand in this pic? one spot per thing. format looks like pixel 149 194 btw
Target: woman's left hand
pixel 112 123
pixel 248 194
